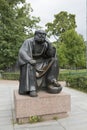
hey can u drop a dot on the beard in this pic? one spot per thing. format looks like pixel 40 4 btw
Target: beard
pixel 39 39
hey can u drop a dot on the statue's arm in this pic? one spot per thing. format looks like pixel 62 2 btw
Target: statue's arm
pixel 25 53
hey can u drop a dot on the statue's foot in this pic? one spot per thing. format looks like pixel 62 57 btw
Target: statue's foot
pixel 33 94
pixel 55 83
pixel 53 89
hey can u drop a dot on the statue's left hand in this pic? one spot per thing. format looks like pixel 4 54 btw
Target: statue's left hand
pixel 33 62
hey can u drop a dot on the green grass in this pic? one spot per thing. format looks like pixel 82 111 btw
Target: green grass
pixel 75 71
pixel 72 72
pixel 64 74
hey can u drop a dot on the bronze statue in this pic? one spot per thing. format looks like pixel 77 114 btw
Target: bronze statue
pixel 38 66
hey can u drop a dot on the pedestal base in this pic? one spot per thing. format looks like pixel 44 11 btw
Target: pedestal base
pixel 48 106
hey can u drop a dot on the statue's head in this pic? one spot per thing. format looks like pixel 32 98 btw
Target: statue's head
pixel 40 36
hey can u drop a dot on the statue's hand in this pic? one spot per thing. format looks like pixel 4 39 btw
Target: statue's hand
pixel 33 62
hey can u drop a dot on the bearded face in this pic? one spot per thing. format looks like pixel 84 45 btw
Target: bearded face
pixel 40 36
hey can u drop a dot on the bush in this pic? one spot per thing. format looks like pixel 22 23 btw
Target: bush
pixel 77 82
pixel 10 76
pixel 63 76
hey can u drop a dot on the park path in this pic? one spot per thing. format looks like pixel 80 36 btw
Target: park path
pixel 77 119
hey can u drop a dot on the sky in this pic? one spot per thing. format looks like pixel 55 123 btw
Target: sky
pixel 46 9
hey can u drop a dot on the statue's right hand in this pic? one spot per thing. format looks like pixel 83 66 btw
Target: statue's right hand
pixel 33 62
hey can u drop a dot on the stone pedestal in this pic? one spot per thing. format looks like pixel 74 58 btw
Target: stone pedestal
pixel 48 106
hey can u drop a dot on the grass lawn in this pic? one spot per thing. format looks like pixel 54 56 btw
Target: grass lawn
pixel 73 71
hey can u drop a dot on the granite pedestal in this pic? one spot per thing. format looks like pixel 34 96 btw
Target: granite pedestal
pixel 48 106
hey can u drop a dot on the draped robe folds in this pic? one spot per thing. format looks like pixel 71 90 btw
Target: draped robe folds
pixel 27 71
pixel 27 79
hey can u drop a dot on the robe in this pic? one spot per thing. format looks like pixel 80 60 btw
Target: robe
pixel 28 81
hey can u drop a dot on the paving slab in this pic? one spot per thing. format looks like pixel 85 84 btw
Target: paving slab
pixel 5 113
pixel 49 125
pixel 6 121
pixel 6 127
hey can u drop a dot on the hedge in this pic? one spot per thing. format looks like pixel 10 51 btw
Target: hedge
pixel 10 76
pixel 77 82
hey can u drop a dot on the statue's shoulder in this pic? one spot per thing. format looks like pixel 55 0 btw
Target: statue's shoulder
pixel 29 40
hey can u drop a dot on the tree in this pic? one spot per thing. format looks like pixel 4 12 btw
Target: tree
pixel 69 44
pixel 62 22
pixel 16 24
pixel 71 49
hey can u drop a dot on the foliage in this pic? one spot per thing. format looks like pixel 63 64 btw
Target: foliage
pixel 61 51
pixel 62 22
pixel 63 76
pixel 69 44
pixel 65 73
pixel 77 82
pixel 16 23
pixel 34 119
pixel 71 50
pixel 72 71
pixel 75 79
pixel 10 76
pixel 55 118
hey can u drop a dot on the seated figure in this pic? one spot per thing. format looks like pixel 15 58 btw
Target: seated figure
pixel 38 66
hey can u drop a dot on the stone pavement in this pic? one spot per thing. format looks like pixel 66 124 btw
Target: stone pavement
pixel 77 119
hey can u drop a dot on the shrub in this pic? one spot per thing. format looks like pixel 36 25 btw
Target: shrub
pixel 10 76
pixel 77 82
pixel 63 76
